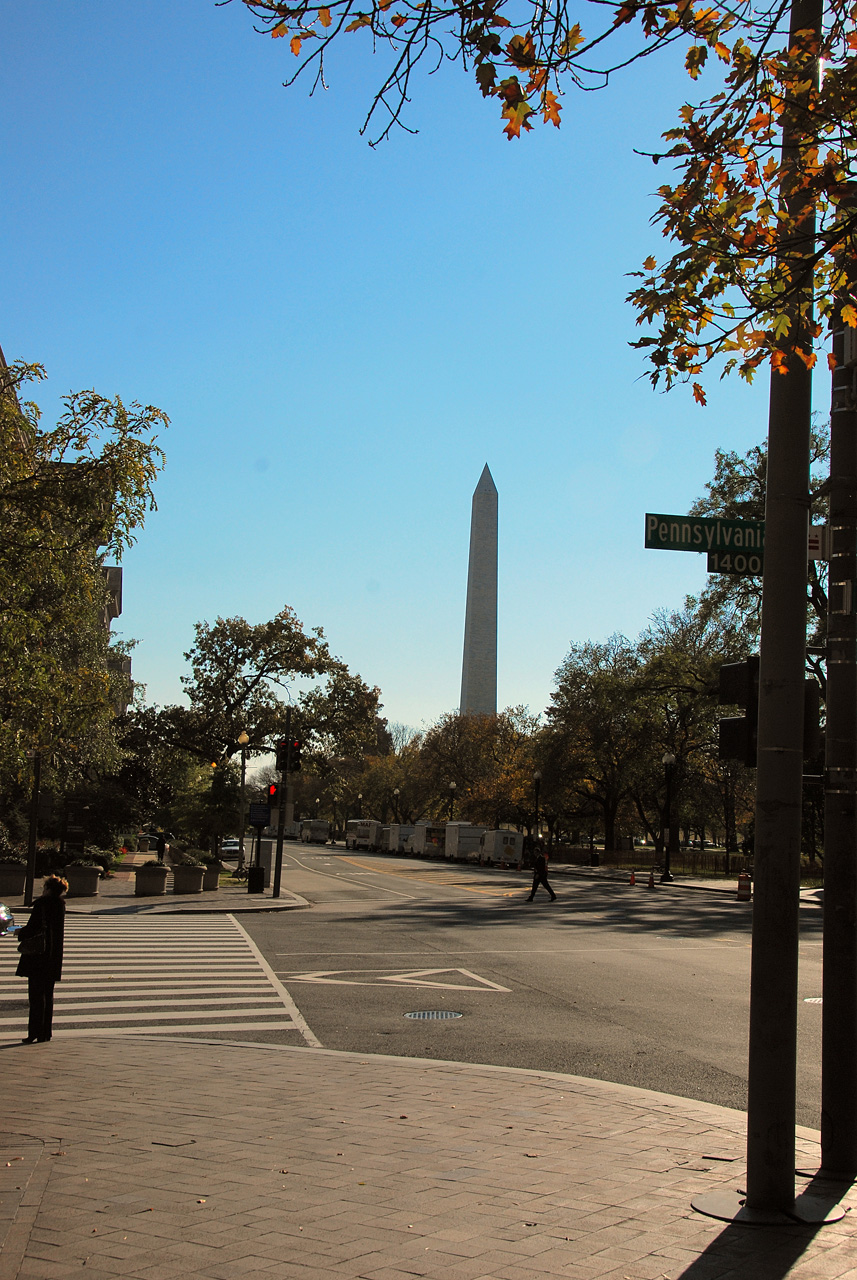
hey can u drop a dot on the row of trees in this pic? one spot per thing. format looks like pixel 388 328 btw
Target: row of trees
pixel 618 708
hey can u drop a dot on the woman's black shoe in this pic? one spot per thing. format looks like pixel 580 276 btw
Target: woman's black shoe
pixel 29 1040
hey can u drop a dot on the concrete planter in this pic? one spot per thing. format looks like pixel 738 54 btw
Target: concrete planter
pixel 150 882
pixel 188 879
pixel 82 881
pixel 211 879
pixel 12 879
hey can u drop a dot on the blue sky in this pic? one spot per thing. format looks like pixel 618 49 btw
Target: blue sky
pixel 343 337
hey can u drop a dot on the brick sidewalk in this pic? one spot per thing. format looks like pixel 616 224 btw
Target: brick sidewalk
pixel 169 1159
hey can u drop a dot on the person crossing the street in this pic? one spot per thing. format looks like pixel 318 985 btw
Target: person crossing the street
pixel 540 872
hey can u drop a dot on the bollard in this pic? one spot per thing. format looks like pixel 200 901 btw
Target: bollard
pixel 651 883
pixel 743 894
pixel 633 879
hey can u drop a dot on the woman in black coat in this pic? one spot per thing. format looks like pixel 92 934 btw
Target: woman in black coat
pixel 44 969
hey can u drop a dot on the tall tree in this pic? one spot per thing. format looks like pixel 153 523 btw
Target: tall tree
pixel 71 496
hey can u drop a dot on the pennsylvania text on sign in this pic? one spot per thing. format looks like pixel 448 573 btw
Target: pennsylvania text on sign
pixel 704 533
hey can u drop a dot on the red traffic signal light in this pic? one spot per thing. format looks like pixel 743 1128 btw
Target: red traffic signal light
pixel 272 794
pixel 295 754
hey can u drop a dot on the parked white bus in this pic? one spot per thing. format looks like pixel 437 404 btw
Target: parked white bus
pixel 315 831
pixel 363 833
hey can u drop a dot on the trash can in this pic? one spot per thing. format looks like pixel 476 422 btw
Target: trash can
pixel 594 859
pixel 256 880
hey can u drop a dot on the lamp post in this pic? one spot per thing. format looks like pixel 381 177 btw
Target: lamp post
pixel 451 800
pixel 243 739
pixel 396 802
pixel 668 762
pixel 537 786
pixel 359 804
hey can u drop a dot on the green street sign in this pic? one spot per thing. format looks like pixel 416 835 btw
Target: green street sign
pixel 707 533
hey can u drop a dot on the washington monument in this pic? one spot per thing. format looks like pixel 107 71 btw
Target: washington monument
pixel 479 669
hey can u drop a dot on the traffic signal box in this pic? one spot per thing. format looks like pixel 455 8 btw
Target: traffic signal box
pixel 272 795
pixel 288 755
pixel 739 686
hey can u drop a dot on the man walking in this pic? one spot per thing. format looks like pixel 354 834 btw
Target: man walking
pixel 540 872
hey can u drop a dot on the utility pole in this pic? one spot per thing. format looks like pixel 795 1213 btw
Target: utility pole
pixel 772 1091
pixel 839 1008
pixel 30 881
pixel 285 780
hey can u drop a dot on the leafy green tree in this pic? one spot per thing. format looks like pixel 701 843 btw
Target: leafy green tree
pixel 70 497
pixel 737 491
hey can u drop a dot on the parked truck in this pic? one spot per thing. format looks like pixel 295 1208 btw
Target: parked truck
pixel 395 836
pixel 463 842
pixel 501 846
pixel 363 833
pixel 428 839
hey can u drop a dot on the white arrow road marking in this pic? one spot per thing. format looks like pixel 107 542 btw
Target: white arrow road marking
pixel 416 978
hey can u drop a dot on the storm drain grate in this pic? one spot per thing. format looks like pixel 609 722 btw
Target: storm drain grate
pixel 434 1013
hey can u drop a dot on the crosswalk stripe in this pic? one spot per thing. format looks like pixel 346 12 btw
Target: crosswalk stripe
pixel 172 977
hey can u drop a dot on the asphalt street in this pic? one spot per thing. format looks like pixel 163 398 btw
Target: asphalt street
pixel 618 983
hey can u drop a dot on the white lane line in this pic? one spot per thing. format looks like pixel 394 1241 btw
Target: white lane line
pixel 168 1002
pixel 287 1000
pixel 190 1028
pixel 161 1015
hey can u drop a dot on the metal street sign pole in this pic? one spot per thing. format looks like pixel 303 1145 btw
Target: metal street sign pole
pixel 839 1007
pixel 281 813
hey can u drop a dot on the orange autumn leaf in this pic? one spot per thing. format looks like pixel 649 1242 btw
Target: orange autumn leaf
pixel 295 45
pixel 849 315
pixel 551 109
pixel 779 361
pixel 699 394
pixel 324 17
pixel 399 19
pixel 650 263
pixel 831 361
pixel 279 30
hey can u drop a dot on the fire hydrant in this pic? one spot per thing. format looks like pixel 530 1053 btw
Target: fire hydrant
pixel 743 887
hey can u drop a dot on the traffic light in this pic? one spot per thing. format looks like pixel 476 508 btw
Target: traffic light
pixel 295 762
pixel 739 686
pixel 282 755
pixel 272 795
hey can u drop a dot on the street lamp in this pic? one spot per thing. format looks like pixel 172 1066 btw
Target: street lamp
pixel 451 800
pixel 537 786
pixel 359 804
pixel 668 762
pixel 396 802
pixel 243 739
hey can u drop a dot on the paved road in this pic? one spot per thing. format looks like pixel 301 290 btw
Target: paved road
pixel 642 988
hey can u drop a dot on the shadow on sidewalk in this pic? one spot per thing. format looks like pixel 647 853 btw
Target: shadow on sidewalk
pixel 765 1253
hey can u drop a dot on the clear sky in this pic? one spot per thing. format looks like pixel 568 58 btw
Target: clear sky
pixel 343 337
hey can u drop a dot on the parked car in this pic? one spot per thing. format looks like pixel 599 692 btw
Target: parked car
pixel 229 849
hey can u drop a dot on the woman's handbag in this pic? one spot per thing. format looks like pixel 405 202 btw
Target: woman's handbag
pixel 37 945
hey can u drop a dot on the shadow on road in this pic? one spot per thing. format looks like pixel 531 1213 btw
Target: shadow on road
pixel 582 906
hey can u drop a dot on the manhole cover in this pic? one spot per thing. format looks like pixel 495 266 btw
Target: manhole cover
pixel 434 1013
